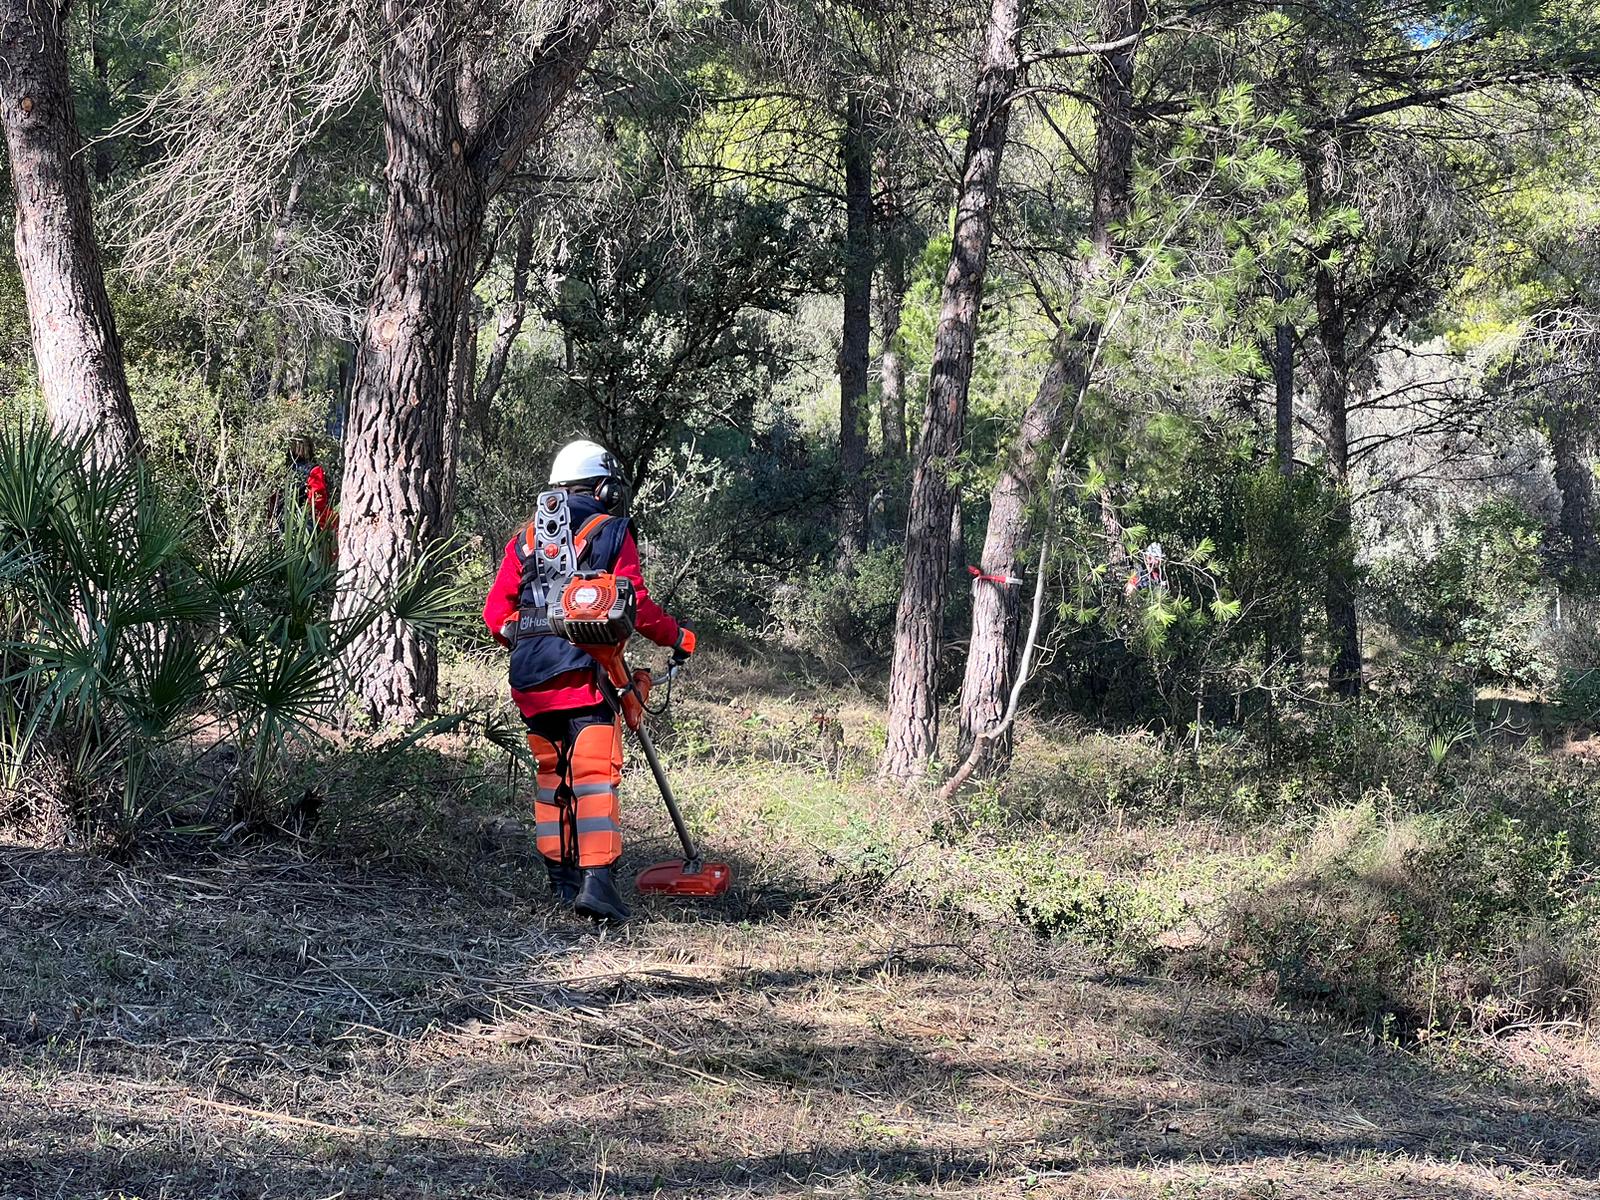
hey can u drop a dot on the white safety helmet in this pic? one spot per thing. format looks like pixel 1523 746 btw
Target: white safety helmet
pixel 579 462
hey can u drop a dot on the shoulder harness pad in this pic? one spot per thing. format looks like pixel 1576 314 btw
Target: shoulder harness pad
pixel 549 548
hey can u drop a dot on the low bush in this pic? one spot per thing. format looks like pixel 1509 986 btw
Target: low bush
pixel 127 634
pixel 1466 918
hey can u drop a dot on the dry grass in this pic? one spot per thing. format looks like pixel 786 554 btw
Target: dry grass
pixel 276 1025
pixel 288 1022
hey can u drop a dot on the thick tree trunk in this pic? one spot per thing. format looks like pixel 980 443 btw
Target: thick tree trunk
pixel 913 702
pixel 395 478
pixel 1333 377
pixel 75 343
pixel 1013 518
pixel 856 340
pixel 450 149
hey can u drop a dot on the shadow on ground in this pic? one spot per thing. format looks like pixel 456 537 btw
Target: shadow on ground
pixel 275 1026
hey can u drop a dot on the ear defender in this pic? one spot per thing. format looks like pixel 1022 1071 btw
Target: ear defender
pixel 610 493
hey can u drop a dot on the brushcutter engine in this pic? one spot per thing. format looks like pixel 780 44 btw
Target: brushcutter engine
pixel 596 608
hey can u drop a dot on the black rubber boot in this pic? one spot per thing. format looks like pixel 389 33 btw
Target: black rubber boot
pixel 564 881
pixel 598 897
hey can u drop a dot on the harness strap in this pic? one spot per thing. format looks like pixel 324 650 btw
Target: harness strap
pixel 581 542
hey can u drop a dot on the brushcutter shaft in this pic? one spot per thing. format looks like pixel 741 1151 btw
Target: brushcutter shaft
pixel 614 699
pixel 649 748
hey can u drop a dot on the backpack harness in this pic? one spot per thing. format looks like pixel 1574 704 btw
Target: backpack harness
pixel 594 610
pixel 550 553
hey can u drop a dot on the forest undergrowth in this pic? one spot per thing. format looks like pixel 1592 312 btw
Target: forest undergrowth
pixel 1127 972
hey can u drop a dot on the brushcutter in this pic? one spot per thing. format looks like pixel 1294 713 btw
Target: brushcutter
pixel 595 612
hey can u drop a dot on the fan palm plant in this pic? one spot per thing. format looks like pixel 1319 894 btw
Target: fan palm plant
pixel 124 633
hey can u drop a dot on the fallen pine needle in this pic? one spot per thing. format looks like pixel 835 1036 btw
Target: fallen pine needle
pixel 241 1110
pixel 1052 1098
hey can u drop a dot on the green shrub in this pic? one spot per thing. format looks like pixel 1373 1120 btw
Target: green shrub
pixel 1483 596
pixel 124 631
pixel 852 613
pixel 1470 917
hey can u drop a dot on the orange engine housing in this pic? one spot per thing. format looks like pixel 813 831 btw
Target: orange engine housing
pixel 595 609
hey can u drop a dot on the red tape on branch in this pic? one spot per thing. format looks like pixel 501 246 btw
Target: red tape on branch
pixel 1002 580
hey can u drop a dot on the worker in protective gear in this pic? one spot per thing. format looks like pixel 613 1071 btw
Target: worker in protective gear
pixel 306 492
pixel 574 735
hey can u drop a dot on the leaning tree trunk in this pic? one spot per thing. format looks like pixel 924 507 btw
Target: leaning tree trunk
pixel 75 343
pixel 1333 377
pixel 450 149
pixel 996 608
pixel 996 599
pixel 856 341
pixel 913 702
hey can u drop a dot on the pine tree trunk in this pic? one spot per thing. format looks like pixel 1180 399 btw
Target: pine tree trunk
pixel 442 170
pixel 1013 525
pixel 891 366
pixel 913 702
pixel 1291 640
pixel 856 340
pixel 75 343
pixel 395 477
pixel 1333 398
pixel 1572 452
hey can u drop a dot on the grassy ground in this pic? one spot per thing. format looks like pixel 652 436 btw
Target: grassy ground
pixel 865 1015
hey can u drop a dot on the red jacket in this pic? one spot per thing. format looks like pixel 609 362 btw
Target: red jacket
pixel 575 689
pixel 317 497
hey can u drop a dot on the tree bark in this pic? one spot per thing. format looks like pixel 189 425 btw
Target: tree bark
pixel 913 702
pixel 856 338
pixel 75 342
pixel 1292 640
pixel 449 150
pixel 891 366
pixel 1013 518
pixel 1013 526
pixel 395 473
pixel 1571 450
pixel 1333 377
pixel 958 535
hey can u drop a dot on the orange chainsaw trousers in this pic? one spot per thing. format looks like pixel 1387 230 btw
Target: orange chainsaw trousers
pixel 577 818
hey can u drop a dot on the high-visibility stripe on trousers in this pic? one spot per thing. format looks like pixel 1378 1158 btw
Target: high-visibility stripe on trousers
pixel 577 818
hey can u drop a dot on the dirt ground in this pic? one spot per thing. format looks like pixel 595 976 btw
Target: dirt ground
pixel 278 1025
